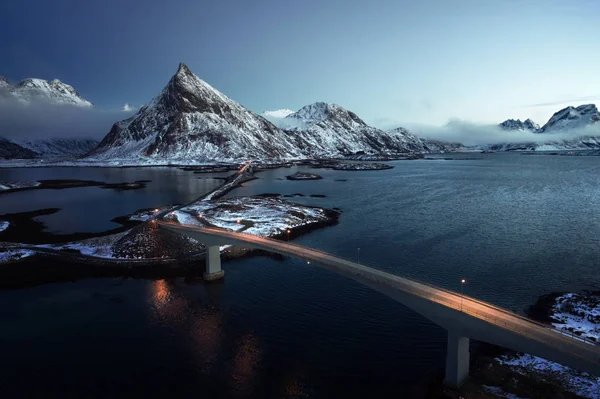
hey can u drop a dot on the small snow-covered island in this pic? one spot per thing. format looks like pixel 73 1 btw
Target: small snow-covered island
pixel 157 251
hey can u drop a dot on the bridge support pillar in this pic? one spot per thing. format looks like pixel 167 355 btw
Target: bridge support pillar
pixel 213 264
pixel 457 360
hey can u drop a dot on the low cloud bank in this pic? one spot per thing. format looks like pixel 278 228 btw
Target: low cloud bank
pixel 468 133
pixel 41 119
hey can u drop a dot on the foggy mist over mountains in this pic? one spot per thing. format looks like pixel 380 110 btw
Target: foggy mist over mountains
pixel 42 119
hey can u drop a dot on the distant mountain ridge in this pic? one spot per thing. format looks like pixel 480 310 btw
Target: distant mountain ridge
pixel 57 147
pixel 32 90
pixel 527 125
pixel 569 120
pixel 44 148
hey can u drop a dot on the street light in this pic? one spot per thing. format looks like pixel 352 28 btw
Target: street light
pixel 358 255
pixel 288 232
pixel 462 284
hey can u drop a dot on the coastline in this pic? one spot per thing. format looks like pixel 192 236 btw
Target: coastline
pixel 47 264
pixel 44 267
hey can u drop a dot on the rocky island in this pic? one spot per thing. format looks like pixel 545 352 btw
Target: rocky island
pixel 304 176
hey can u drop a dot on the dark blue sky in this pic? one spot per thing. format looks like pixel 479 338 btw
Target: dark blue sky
pixel 389 61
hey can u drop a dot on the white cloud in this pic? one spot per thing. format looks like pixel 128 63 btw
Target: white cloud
pixel 277 114
pixel 469 133
pixel 128 108
pixel 278 118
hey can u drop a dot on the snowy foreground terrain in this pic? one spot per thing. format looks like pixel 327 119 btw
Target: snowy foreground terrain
pixel 266 217
pixel 575 313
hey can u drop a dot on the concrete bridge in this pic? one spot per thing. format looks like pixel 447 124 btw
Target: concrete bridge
pixel 463 317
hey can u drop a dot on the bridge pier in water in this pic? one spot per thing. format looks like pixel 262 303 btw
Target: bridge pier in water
pixel 213 269
pixel 457 360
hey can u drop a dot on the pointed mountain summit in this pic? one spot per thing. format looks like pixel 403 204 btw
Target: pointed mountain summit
pixel 191 121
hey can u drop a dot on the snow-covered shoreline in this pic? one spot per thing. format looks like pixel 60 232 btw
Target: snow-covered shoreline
pixel 268 217
pixel 578 314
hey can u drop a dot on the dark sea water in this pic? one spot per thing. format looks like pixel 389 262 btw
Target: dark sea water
pixel 91 209
pixel 514 226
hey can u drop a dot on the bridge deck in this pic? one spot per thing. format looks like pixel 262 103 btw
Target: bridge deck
pixel 478 319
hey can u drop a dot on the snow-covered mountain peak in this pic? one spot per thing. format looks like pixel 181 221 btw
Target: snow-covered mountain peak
pixel 323 112
pixel 54 91
pixel 186 92
pixel 190 120
pixel 512 124
pixel 572 118
pixel 531 125
pixel 184 70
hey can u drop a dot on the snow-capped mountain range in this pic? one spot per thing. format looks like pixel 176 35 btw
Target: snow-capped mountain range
pixel 567 119
pixel 190 121
pixel 575 121
pixel 53 91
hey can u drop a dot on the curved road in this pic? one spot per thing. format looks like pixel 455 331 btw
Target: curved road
pixel 470 317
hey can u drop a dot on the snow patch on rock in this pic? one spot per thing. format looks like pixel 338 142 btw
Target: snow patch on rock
pixel 36 90
pixel 12 255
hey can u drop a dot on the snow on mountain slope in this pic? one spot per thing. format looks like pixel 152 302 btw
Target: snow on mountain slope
pixel 328 130
pixel 527 125
pixel 191 121
pixel 33 90
pixel 571 118
pixel 10 150
pixel 277 114
pixel 58 147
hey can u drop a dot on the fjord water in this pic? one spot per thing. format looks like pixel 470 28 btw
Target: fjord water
pixel 514 226
pixel 90 209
